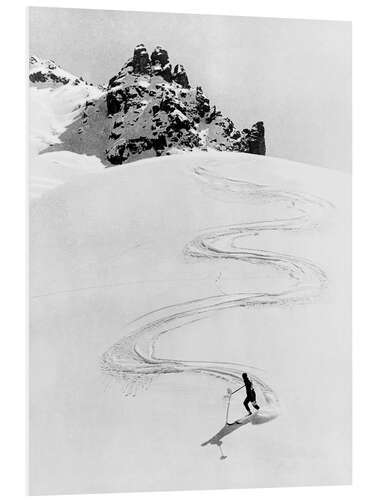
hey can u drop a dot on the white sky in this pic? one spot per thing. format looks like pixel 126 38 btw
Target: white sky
pixel 295 75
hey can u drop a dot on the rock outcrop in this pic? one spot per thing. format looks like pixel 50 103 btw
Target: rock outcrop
pixel 160 65
pixel 43 73
pixel 253 140
pixel 141 61
pixel 180 77
pixel 148 109
pixel 155 111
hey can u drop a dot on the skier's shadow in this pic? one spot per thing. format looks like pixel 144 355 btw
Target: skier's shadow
pixel 260 417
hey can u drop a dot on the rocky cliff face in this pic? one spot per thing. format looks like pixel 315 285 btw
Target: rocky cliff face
pixel 148 109
pixel 154 111
pixel 253 140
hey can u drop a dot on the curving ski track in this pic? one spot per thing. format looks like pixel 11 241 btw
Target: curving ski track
pixel 132 360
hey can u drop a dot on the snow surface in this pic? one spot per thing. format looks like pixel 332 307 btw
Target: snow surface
pixel 152 287
pixel 52 109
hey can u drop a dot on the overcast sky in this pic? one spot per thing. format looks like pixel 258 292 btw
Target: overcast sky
pixel 295 75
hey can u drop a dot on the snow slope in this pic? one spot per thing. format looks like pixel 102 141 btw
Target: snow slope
pixel 54 103
pixel 175 274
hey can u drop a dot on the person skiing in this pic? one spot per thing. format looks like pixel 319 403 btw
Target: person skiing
pixel 250 394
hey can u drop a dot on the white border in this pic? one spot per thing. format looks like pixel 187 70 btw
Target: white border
pixel 12 182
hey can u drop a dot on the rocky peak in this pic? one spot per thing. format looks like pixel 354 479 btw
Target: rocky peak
pixel 160 65
pixel 154 116
pixel 180 77
pixel 159 56
pixel 147 110
pixel 141 61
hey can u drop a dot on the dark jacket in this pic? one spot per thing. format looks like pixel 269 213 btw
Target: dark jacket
pixel 249 389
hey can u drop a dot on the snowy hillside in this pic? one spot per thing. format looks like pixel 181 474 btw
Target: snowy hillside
pixel 56 99
pixel 175 274
pixel 44 73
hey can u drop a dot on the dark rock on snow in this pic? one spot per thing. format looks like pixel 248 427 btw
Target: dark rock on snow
pixel 253 140
pixel 151 110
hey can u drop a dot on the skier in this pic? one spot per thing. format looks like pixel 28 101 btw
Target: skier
pixel 250 394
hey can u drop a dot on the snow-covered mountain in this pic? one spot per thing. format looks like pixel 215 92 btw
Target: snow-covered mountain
pixel 44 73
pixel 154 110
pixel 148 109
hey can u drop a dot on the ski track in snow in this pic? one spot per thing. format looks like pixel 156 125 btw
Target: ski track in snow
pixel 133 361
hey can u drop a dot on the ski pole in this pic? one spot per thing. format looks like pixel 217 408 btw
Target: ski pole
pixel 238 389
pixel 230 395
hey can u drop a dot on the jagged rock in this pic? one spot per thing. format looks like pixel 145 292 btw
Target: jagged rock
pixel 180 77
pixel 114 100
pixel 114 135
pixel 253 140
pixel 157 115
pixel 213 115
pixel 165 72
pixel 179 121
pixel 160 65
pixel 40 77
pixel 116 155
pixel 146 110
pixel 112 82
pixel 123 98
pixel 48 73
pixel 141 61
pixel 203 103
pixel 159 56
